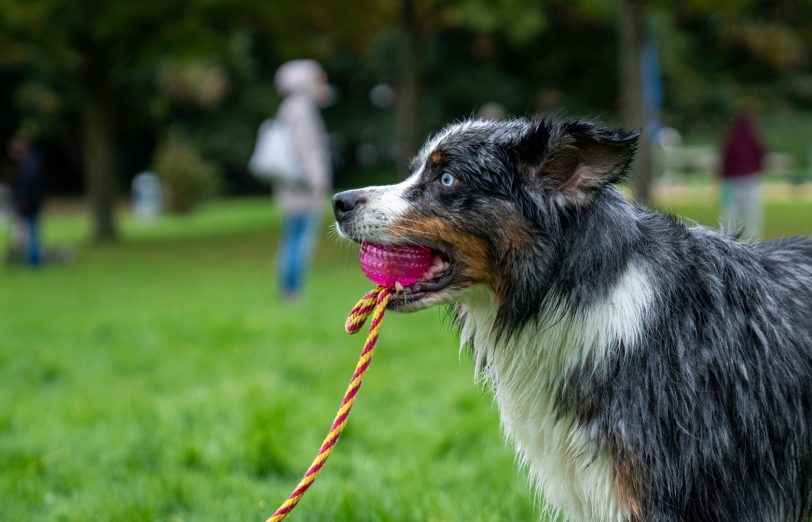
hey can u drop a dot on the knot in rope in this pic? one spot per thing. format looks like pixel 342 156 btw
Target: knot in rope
pixel 373 303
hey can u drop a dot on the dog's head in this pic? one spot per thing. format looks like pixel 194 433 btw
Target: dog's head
pixel 489 199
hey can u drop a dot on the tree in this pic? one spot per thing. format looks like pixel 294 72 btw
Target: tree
pixel 519 19
pixel 94 46
pixel 630 33
pixel 409 81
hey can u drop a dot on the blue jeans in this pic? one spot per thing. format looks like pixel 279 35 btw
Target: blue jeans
pixel 741 206
pixel 33 254
pixel 298 241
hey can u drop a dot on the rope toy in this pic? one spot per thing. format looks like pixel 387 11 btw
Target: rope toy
pixel 374 303
pixel 391 267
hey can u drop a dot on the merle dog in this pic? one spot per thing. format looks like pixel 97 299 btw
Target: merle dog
pixel 644 369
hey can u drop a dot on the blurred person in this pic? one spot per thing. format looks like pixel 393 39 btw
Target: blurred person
pixel 740 169
pixel 27 186
pixel 303 84
pixel 492 111
pixel 5 193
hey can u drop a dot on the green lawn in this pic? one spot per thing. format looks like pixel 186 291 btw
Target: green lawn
pixel 161 380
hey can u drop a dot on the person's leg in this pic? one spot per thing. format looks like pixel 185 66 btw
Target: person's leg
pixel 307 243
pixel 34 252
pixel 288 254
pixel 729 210
pixel 302 246
pixel 16 240
pixel 751 205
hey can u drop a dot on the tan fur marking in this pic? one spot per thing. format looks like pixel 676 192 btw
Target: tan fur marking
pixel 517 234
pixel 628 483
pixel 436 158
pixel 470 253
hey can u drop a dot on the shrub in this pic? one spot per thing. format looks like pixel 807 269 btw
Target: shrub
pixel 188 178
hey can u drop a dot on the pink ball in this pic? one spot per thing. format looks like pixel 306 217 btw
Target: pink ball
pixel 389 264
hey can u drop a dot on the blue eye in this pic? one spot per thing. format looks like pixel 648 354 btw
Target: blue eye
pixel 447 179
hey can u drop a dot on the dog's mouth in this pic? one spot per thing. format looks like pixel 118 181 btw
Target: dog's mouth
pixel 429 289
pixel 419 275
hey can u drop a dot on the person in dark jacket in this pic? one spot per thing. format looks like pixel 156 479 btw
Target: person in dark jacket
pixel 741 165
pixel 28 192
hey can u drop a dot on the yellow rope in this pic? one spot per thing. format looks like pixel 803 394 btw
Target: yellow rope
pixel 374 302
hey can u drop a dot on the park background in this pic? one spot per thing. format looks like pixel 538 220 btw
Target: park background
pixel 157 377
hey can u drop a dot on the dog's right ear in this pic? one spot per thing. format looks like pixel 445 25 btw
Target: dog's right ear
pixel 575 158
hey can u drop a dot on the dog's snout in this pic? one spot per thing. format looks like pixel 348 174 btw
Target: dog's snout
pixel 345 202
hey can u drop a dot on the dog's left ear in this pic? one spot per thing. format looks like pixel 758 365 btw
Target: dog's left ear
pixel 574 158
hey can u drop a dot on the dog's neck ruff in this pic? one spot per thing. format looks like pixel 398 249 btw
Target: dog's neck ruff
pixel 565 461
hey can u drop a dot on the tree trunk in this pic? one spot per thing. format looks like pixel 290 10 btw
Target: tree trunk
pixel 99 153
pixel 630 29
pixel 408 90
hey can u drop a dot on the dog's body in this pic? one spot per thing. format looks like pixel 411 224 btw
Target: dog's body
pixel 644 370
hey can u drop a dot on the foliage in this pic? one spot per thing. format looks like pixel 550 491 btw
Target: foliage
pixel 206 66
pixel 720 55
pixel 189 178
pixel 94 51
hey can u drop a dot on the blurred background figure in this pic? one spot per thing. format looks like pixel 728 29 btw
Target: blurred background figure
pixel 5 194
pixel 147 196
pixel 303 84
pixel 27 186
pixel 492 111
pixel 740 168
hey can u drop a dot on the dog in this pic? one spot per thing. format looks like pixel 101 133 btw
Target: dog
pixel 644 370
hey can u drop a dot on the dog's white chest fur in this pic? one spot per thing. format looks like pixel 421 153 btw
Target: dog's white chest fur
pixel 572 473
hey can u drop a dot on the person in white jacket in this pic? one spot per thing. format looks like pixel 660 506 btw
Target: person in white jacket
pixel 303 83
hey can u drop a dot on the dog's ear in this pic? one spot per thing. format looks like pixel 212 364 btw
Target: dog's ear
pixel 574 158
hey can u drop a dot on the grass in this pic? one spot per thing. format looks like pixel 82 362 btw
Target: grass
pixel 161 380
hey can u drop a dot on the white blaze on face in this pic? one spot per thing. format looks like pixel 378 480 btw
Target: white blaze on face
pixel 384 205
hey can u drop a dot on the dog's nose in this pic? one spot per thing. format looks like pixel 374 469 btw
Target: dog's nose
pixel 345 202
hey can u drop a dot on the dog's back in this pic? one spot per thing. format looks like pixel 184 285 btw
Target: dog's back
pixel 722 385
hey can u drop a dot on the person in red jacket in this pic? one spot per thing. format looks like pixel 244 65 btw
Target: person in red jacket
pixel 741 165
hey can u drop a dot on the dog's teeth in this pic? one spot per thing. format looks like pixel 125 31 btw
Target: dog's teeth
pixel 398 286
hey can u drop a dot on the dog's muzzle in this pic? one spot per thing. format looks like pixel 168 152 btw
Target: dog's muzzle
pixel 345 202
